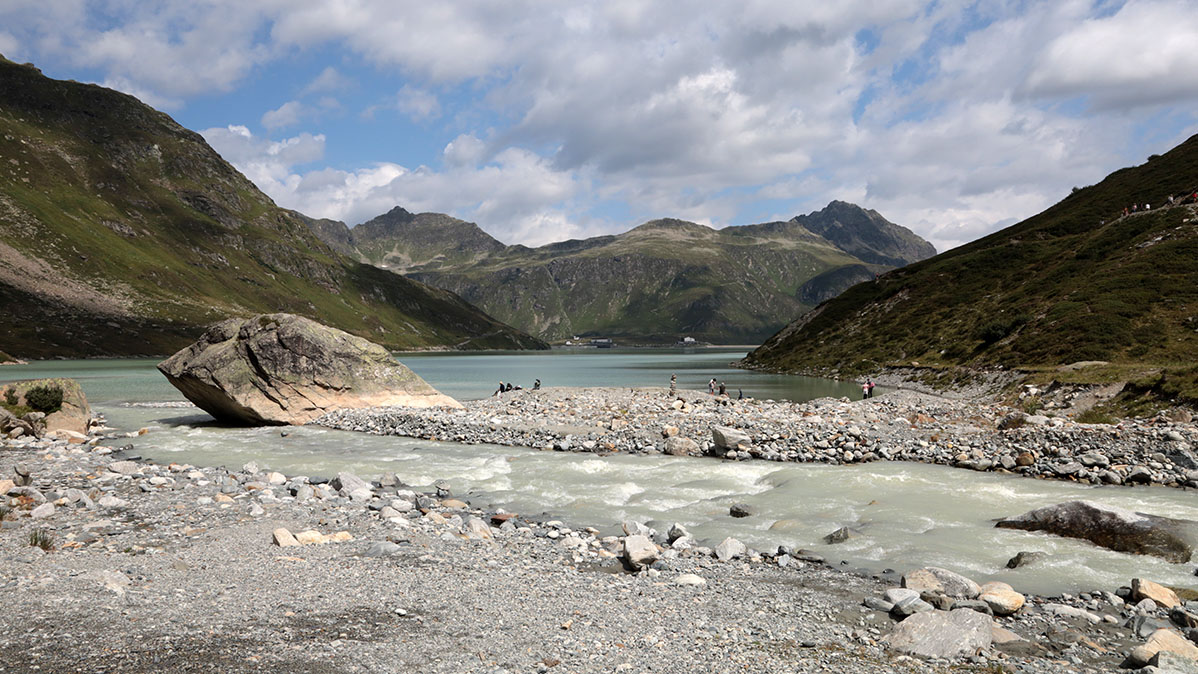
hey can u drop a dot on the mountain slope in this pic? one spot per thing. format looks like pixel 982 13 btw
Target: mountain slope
pixel 656 282
pixel 123 233
pixel 1078 282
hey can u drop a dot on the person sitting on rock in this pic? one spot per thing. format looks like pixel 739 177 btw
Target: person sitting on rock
pixel 498 391
pixel 508 387
pixel 536 385
pixel 723 389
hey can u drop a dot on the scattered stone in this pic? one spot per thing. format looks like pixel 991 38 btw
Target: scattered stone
pixel 42 511
pixel 742 510
pixel 840 535
pixel 941 581
pixel 124 467
pixel 1161 595
pixel 690 580
pixel 730 548
pixel 935 634
pixel 1161 640
pixel 284 539
pixel 639 551
pixel 1024 558
pixel 726 438
pixel 1113 528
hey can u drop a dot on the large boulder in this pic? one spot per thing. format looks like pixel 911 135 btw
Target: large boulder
pixel 73 415
pixel 936 634
pixel 1113 528
pixel 285 369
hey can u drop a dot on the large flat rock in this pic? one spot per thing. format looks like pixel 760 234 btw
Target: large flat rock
pixel 937 634
pixel 285 369
pixel 1113 528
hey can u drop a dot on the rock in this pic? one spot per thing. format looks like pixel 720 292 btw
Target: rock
pixel 909 607
pixel 113 581
pixel 74 415
pixel 840 535
pixel 1001 635
pixel 896 594
pixel 742 510
pixel 454 504
pixel 639 551
pixel 310 537
pixel 633 528
pixel 1072 612
pixel 1012 420
pixel 1146 589
pixel 935 634
pixel 1161 640
pixel 1168 662
pixel 284 539
pixel 1002 600
pixel 276 478
pixel 1024 558
pixel 1113 528
pixel 286 369
pixel 690 580
pixel 1024 459
pixel 786 525
pixel 476 528
pixel 125 467
pixel 730 548
pixel 42 512
pixel 348 483
pixel 381 549
pixel 678 446
pixel 942 581
pixel 676 531
pixel 669 431
pixel 726 438
pixel 1183 618
pixel 5 485
pixel 110 501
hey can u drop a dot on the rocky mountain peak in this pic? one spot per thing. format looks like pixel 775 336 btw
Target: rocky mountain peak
pixel 867 235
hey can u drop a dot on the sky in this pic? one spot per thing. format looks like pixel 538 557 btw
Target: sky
pixel 545 120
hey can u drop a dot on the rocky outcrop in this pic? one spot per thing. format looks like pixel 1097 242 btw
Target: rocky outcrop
pixel 1113 528
pixel 286 369
pixel 73 415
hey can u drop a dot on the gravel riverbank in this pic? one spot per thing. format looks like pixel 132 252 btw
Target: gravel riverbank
pixel 182 568
pixel 900 426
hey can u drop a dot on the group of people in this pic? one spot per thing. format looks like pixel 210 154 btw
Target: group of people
pixel 1190 198
pixel 504 388
pixel 867 389
pixel 721 389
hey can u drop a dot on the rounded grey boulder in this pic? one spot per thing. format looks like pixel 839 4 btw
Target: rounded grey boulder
pixel 286 369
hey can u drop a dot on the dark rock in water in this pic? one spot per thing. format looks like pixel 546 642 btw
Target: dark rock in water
pixel 285 369
pixel 1024 558
pixel 742 510
pixel 1113 528
pixel 840 535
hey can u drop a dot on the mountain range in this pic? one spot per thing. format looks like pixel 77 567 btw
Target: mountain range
pixel 1082 282
pixel 123 233
pixel 655 283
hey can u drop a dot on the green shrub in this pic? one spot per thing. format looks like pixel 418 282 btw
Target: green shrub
pixel 46 399
pixel 10 396
pixel 41 538
pixel 1093 416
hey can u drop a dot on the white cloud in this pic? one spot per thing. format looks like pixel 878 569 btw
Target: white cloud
pixel 330 80
pixel 10 47
pixel 952 117
pixel 417 103
pixel 288 114
pixel 1144 54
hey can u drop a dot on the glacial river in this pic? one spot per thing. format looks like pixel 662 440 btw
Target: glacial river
pixel 908 515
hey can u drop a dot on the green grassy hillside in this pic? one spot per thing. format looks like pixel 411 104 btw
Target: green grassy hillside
pixel 658 282
pixel 1078 282
pixel 123 233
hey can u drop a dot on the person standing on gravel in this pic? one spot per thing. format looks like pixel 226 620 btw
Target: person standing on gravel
pixel 711 387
